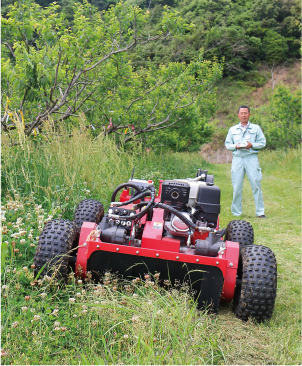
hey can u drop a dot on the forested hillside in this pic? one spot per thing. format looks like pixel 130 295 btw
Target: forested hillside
pixel 240 32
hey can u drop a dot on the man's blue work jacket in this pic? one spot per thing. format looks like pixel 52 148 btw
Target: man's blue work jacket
pixel 253 134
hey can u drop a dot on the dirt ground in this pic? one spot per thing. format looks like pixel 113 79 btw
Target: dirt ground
pixel 215 152
pixel 219 156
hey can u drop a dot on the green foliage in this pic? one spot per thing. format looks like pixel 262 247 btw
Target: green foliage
pixel 281 119
pixel 275 47
pixel 60 71
pixel 186 137
pixel 243 33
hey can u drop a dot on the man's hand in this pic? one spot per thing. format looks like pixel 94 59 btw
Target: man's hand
pixel 247 146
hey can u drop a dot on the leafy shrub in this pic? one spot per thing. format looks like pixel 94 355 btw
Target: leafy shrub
pixel 281 119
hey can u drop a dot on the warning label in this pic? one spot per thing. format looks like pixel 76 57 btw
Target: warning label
pixel 157 225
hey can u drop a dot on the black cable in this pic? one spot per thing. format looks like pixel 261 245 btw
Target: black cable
pixel 132 185
pixel 151 190
pixel 141 204
pixel 176 213
pixel 141 195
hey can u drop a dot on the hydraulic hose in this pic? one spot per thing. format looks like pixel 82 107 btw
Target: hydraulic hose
pixel 141 195
pixel 132 185
pixel 141 204
pixel 150 191
pixel 176 213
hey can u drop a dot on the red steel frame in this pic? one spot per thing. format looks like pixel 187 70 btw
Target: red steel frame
pixel 153 245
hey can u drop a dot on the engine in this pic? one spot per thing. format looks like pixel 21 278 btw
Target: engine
pixel 198 199
pixel 189 205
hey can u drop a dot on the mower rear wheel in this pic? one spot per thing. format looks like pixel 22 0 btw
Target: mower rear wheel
pixel 255 295
pixel 88 210
pixel 241 232
pixel 53 251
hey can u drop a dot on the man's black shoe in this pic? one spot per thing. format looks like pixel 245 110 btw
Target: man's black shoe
pixel 262 217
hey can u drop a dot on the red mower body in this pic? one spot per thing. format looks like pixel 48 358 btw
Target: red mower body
pixel 216 276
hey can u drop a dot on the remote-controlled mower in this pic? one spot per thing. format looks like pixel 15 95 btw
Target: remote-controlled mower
pixel 174 235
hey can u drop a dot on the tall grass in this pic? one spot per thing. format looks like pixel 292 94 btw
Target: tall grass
pixel 62 167
pixel 116 323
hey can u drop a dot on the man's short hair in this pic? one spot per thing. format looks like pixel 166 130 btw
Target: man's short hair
pixel 243 106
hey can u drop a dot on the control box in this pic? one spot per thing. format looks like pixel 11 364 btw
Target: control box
pixel 175 193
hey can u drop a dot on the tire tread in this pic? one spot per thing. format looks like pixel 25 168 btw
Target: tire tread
pixel 256 296
pixel 55 241
pixel 88 210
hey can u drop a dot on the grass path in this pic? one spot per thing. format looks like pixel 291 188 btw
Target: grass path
pixel 279 342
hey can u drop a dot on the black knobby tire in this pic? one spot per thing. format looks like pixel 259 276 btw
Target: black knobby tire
pixel 255 296
pixel 54 248
pixel 88 210
pixel 241 232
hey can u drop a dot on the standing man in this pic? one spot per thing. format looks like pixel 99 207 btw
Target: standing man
pixel 245 140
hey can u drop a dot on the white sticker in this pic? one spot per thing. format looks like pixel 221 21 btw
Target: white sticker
pixel 157 225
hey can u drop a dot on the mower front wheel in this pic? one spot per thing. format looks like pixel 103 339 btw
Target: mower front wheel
pixel 256 287
pixel 54 249
pixel 88 211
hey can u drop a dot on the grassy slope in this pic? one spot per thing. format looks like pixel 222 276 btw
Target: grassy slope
pixel 233 93
pixel 278 342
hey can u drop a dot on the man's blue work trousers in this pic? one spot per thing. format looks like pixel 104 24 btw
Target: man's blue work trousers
pixel 250 166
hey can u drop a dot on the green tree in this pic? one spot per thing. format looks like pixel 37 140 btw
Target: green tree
pixel 229 30
pixel 274 47
pixel 50 69
pixel 281 119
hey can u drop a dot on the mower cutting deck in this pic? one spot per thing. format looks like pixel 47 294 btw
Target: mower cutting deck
pixel 174 234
